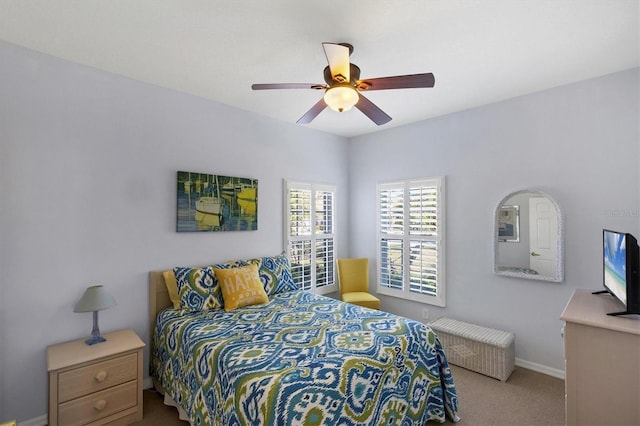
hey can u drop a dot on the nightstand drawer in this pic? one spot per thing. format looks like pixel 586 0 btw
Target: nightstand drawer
pixel 95 377
pixel 98 405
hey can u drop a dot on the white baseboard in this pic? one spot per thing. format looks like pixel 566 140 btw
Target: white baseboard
pixel 554 372
pixel 38 421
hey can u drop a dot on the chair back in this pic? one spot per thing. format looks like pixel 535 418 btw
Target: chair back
pixel 353 274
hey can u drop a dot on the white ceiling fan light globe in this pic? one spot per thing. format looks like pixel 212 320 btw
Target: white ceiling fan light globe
pixel 341 97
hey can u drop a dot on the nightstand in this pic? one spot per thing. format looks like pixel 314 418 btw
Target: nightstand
pixel 96 384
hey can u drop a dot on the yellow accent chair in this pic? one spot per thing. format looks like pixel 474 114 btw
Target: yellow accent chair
pixel 353 276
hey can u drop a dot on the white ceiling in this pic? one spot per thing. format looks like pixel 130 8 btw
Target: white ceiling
pixel 479 51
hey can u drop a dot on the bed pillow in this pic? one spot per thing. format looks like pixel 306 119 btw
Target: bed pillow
pixel 172 288
pixel 240 287
pixel 275 274
pixel 196 288
pixel 217 293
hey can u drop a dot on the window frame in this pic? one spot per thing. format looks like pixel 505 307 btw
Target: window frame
pixel 406 237
pixel 314 238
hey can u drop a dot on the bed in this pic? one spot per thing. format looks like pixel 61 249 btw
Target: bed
pixel 298 359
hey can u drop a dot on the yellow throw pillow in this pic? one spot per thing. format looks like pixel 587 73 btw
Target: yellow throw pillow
pixel 172 288
pixel 240 287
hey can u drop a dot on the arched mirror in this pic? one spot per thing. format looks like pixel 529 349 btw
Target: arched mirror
pixel 528 237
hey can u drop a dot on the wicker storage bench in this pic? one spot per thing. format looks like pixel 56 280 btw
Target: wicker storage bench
pixel 485 350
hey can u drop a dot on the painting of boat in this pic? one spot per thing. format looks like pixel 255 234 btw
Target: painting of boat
pixel 209 211
pixel 211 203
pixel 247 200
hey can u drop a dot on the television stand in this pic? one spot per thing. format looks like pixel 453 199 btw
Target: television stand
pixel 616 314
pixel 592 342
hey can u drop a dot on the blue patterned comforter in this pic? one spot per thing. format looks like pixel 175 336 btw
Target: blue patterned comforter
pixel 302 359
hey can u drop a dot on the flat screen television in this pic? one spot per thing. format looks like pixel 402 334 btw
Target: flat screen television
pixel 620 269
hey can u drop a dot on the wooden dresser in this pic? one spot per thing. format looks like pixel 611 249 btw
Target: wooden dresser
pixel 602 362
pixel 98 384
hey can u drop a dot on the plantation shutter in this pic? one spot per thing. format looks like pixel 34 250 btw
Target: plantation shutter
pixel 310 234
pixel 410 233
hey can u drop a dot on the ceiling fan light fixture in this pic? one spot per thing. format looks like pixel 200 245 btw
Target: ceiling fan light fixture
pixel 341 97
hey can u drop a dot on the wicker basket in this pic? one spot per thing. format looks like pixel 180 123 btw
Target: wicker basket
pixel 485 350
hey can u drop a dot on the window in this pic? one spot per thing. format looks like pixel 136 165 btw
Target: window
pixel 310 235
pixel 411 240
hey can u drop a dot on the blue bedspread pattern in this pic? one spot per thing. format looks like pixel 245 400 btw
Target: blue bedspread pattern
pixel 302 359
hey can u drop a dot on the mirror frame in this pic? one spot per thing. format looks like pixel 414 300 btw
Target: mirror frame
pixel 559 277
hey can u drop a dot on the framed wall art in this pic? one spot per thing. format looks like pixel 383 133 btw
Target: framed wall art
pixel 509 224
pixel 214 203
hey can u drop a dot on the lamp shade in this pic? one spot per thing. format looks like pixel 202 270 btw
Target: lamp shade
pixel 341 97
pixel 95 298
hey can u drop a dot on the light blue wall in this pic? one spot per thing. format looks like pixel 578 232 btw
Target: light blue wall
pixel 88 165
pixel 579 143
pixel 87 178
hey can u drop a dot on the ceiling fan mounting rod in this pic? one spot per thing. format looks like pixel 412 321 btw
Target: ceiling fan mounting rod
pixel 349 45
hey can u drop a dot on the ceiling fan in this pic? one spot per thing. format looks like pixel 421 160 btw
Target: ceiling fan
pixel 343 88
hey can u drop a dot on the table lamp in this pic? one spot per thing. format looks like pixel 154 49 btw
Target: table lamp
pixel 94 299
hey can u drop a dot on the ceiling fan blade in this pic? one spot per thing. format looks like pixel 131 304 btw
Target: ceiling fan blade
pixel 338 59
pixel 288 86
pixel 313 112
pixel 370 109
pixel 397 82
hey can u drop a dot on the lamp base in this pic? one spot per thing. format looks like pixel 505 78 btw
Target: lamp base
pixel 95 339
pixel 95 333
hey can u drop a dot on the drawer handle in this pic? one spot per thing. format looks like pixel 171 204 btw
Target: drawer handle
pixel 101 376
pixel 100 404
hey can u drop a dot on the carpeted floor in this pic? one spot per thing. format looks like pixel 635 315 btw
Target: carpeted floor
pixel 528 398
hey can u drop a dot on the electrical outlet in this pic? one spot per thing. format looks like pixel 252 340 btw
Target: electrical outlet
pixel 425 313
